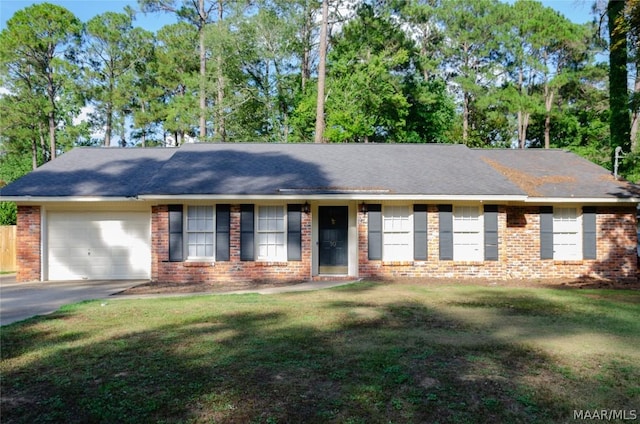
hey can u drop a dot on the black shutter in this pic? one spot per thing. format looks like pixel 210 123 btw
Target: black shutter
pixel 176 241
pixel 223 225
pixel 589 244
pixel 445 217
pixel 491 232
pixel 374 213
pixel 294 232
pixel 246 233
pixel 420 232
pixel 546 232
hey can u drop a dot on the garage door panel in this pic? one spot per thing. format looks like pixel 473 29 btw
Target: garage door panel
pixel 114 245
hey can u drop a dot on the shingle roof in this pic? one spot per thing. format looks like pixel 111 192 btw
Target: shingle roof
pixel 272 169
pixel 92 171
pixel 556 173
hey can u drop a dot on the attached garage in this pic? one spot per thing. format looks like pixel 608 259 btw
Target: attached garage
pixel 98 245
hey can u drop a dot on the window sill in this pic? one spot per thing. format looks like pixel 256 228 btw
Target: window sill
pixel 397 263
pixel 190 263
pixel 470 263
pixel 568 261
pixel 271 263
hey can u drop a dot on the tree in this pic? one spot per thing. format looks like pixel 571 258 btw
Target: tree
pixel 198 14
pixel 469 56
pixel 322 74
pixel 376 91
pixel 37 52
pixel 178 76
pixel 114 50
pixel 146 95
pixel 618 91
pixel 422 25
pixel 563 49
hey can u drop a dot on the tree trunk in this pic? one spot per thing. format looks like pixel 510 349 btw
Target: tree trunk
pixel 203 70
pixel 523 125
pixel 319 137
pixel 222 131
pixel 52 120
pixel 108 126
pixel 143 139
pixel 635 116
pixel 305 67
pixel 618 94
pixel 34 153
pixel 548 103
pixel 465 118
pixel 522 115
pixel 43 144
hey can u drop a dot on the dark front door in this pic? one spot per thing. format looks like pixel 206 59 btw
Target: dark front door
pixel 333 230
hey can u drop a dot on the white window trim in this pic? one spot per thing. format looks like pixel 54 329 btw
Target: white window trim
pixel 459 255
pixel 186 232
pixel 409 234
pixel 284 255
pixel 578 234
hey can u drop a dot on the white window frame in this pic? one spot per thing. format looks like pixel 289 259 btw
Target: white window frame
pixel 468 233
pixel 397 233
pixel 567 233
pixel 260 233
pixel 204 232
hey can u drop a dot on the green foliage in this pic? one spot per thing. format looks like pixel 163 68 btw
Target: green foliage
pixel 397 71
pixel 374 93
pixel 8 213
pixel 618 92
pixel 38 58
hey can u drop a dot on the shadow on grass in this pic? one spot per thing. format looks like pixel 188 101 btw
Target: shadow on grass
pixel 343 359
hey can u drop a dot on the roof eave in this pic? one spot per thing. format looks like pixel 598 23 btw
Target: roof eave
pixel 338 196
pixel 49 199
pixel 610 200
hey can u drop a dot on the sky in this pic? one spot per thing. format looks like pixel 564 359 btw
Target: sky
pixel 578 11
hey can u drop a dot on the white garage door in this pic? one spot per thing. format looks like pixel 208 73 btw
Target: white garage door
pixel 98 245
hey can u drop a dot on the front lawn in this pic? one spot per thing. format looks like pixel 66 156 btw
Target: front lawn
pixel 362 353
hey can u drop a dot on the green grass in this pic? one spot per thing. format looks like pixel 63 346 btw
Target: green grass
pixel 363 353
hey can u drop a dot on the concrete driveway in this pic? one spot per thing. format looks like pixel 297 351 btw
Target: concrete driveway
pixel 19 301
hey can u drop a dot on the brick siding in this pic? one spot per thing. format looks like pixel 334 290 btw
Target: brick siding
pixel 29 237
pixel 232 270
pixel 518 251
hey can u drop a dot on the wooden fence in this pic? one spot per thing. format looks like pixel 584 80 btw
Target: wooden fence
pixel 8 248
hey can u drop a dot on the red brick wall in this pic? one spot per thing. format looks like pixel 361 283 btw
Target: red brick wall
pixel 519 250
pixel 232 270
pixel 433 266
pixel 28 235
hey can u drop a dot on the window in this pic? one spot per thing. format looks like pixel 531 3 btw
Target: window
pixel 200 230
pixel 397 236
pixel 567 239
pixel 468 236
pixel 271 233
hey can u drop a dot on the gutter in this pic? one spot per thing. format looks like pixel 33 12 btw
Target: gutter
pixel 582 200
pixel 363 196
pixel 47 199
